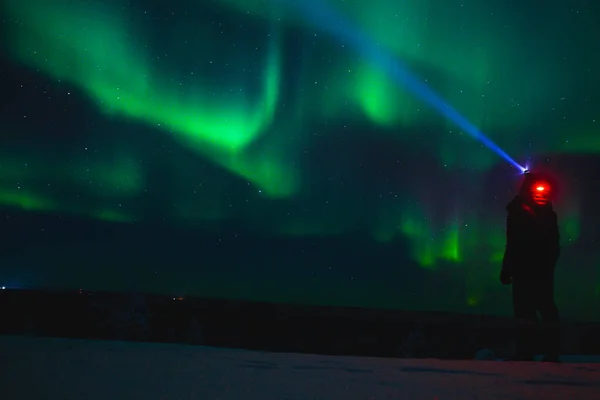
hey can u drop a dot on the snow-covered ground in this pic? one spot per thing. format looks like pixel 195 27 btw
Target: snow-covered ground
pixel 46 368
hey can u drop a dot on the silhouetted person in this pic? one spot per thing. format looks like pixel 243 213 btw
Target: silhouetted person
pixel 532 250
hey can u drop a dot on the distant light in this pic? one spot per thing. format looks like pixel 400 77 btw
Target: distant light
pixel 3 287
pixel 540 188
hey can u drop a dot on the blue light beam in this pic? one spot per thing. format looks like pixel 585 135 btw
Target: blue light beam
pixel 328 20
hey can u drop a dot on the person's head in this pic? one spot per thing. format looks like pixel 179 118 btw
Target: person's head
pixel 536 189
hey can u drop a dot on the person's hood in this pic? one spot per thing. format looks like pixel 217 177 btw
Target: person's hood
pixel 515 204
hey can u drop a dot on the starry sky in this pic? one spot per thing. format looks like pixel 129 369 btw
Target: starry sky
pixel 295 152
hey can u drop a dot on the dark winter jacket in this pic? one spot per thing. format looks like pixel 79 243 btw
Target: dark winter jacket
pixel 532 240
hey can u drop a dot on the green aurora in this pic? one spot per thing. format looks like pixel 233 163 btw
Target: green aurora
pixel 251 93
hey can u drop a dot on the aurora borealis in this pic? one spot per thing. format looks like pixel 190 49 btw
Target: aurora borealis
pixel 245 117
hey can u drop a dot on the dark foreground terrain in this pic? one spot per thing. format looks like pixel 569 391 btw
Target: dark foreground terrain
pixel 269 327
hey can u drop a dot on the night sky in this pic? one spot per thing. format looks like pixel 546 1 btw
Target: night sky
pixel 266 150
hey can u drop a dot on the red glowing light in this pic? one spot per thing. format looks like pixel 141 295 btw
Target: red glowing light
pixel 540 193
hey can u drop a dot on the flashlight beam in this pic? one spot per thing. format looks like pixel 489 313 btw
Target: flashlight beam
pixel 328 20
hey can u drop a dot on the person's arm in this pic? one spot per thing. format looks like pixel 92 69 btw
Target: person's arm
pixel 555 238
pixel 509 251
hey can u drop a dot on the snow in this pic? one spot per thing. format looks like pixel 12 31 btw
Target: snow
pixel 48 368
